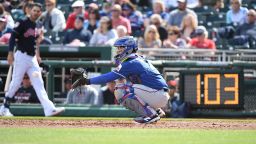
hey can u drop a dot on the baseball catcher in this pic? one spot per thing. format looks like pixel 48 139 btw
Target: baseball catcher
pixel 146 91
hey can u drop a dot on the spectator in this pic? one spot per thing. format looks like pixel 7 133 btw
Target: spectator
pixel 188 27
pixel 174 40
pixel 121 31
pixel 106 9
pixel 3 26
pixel 8 5
pixel 26 93
pixel 20 13
pixel 93 20
pixel 176 107
pixel 151 38
pixel 104 34
pixel 83 95
pixel 201 40
pixel 92 6
pixel 67 87
pixel 145 4
pixel 118 19
pixel 170 4
pixel 156 20
pixel 237 13
pixel 10 21
pixel 41 38
pixel 5 33
pixel 4 39
pixel 107 93
pixel 173 3
pixel 173 87
pixel 177 15
pixel 135 17
pixel 159 8
pixel 53 19
pixel 78 9
pixel 119 2
pixel 219 4
pixel 246 32
pixel 79 36
pixel 249 25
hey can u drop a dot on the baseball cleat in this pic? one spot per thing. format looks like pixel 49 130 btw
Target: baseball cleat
pixel 147 120
pixel 5 112
pixel 160 112
pixel 56 111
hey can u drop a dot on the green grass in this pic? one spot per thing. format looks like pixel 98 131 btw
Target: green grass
pixel 124 136
pixel 124 118
pixel 44 135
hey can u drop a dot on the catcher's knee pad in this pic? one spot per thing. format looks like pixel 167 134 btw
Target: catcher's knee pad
pixel 125 96
pixel 121 90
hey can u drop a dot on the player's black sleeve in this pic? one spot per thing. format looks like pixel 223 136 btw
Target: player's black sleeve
pixel 12 41
pixel 18 29
pixel 19 26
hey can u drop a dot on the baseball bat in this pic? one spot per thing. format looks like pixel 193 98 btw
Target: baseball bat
pixel 8 79
pixel 9 76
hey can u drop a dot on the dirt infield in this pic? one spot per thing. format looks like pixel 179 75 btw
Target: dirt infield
pixel 116 123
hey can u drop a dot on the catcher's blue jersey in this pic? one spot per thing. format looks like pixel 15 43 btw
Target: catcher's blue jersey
pixel 138 71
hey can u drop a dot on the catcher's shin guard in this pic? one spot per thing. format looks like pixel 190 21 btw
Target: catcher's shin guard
pixel 125 96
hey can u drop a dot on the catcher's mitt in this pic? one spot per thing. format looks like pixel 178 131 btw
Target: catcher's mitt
pixel 79 77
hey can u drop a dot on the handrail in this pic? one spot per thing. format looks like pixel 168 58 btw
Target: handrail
pixel 158 63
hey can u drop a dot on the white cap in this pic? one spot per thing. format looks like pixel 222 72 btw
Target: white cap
pixel 182 1
pixel 78 3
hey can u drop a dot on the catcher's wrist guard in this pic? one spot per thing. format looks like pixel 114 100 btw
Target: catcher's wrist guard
pixel 79 77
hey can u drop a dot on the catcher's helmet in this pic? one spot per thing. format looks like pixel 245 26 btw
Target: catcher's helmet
pixel 130 45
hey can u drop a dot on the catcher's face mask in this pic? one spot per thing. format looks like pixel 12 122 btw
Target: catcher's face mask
pixel 125 46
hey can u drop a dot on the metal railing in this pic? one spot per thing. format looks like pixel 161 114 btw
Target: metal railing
pixel 199 54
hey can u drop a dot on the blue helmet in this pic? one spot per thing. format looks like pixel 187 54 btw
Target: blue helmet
pixel 130 45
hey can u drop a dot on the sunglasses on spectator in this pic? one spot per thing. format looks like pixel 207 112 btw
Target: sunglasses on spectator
pixel 115 10
pixel 49 4
pixel 172 33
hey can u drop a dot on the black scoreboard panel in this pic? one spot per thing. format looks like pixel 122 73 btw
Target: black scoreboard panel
pixel 212 88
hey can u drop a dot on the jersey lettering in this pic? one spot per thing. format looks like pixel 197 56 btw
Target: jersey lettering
pixel 30 32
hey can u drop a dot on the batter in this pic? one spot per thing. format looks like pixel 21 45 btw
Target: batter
pixel 26 60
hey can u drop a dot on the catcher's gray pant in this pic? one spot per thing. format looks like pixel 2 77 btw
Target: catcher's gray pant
pixel 141 99
pixel 24 63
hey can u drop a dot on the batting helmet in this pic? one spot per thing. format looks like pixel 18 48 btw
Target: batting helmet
pixel 130 45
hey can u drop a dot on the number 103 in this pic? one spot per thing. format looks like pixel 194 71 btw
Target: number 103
pixel 217 77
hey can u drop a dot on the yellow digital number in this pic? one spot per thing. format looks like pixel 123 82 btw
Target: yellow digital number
pixel 206 88
pixel 217 77
pixel 232 89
